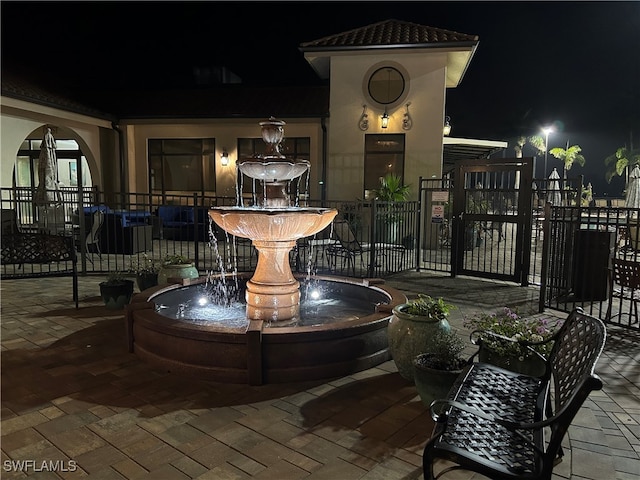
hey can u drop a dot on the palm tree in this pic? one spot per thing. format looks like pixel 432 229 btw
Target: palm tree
pixel 620 161
pixel 569 156
pixel 391 189
pixel 537 142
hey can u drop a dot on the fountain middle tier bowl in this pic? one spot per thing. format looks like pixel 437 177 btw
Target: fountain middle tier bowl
pixel 342 330
pixel 273 169
pixel 272 224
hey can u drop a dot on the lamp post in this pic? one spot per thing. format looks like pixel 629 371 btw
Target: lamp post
pixel 546 131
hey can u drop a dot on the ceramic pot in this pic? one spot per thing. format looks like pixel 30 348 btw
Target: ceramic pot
pixel 432 383
pixel 409 336
pixel 531 365
pixel 116 296
pixel 186 270
pixel 146 280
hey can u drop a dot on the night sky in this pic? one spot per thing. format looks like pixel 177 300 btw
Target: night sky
pixel 575 65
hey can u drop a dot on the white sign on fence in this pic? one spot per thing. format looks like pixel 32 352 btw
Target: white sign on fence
pixel 440 196
pixel 437 213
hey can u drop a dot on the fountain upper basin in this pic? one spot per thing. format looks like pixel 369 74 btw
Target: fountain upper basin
pixel 273 169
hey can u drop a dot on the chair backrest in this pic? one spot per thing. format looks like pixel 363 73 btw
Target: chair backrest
pixel 575 352
pixel 9 221
pixel 626 273
pixel 96 225
pixel 346 237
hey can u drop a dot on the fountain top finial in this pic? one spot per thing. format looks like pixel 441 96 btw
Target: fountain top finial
pixel 272 134
pixel 272 166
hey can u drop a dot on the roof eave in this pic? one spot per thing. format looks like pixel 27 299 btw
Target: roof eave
pixel 403 46
pixel 318 57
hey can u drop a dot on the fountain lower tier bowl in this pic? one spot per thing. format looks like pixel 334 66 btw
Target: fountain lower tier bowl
pixel 272 293
pixel 327 342
pixel 284 224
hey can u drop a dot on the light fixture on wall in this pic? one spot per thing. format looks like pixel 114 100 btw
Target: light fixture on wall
pixel 363 123
pixel 447 126
pixel 224 158
pixel 407 121
pixel 384 119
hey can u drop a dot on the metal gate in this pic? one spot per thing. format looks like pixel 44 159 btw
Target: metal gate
pixel 491 219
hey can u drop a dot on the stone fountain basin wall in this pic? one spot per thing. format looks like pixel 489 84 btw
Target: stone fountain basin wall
pixel 259 354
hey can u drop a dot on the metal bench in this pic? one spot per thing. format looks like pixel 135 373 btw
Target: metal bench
pixel 495 422
pixel 46 255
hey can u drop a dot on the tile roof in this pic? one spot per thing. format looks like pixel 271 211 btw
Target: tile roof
pixel 389 33
pixel 228 101
pixel 219 101
pixel 222 101
pixel 15 86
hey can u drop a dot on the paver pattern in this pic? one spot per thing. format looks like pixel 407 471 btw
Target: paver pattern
pixel 76 404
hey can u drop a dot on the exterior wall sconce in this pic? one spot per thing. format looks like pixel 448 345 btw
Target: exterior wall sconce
pixel 224 158
pixel 363 123
pixel 385 119
pixel 407 121
pixel 447 126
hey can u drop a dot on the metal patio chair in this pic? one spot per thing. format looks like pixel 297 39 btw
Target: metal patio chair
pixel 92 241
pixel 507 425
pixel 624 285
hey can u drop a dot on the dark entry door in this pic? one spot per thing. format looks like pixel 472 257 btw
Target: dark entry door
pixel 492 218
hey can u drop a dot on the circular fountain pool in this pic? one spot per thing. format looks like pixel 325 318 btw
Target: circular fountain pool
pixel 341 329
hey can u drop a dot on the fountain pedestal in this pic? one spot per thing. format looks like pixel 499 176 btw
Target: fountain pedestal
pixel 273 293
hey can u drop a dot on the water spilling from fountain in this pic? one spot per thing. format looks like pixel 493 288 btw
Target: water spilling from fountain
pixel 334 327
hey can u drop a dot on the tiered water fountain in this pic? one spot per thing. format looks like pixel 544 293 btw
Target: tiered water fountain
pixel 336 327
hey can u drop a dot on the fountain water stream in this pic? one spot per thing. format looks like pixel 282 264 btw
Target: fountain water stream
pixel 273 293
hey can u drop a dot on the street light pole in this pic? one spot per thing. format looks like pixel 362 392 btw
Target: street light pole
pixel 547 131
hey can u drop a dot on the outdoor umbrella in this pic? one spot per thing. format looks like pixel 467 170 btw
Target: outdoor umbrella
pixel 632 199
pixel 48 197
pixel 47 192
pixel 553 189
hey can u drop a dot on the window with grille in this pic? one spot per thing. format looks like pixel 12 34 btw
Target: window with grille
pixel 384 154
pixel 182 165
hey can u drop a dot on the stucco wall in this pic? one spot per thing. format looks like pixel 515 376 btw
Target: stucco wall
pixel 226 134
pixel 423 143
pixel 21 120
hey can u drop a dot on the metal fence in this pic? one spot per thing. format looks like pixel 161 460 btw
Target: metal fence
pixel 581 246
pixel 115 231
pixel 571 247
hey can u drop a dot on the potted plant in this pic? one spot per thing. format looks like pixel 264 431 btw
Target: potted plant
pixel 146 270
pixel 116 291
pixel 508 340
pixel 176 266
pixel 435 372
pixel 391 190
pixel 412 328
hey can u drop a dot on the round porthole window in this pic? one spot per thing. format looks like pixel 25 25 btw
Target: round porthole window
pixel 386 85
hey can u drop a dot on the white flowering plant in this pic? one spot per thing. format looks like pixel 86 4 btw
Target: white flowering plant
pixel 144 265
pixel 507 333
